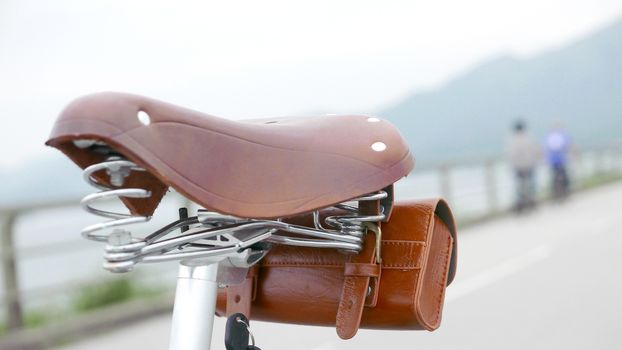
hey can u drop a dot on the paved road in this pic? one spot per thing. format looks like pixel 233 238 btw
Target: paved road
pixel 549 280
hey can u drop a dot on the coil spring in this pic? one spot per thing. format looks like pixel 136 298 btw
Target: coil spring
pixel 118 169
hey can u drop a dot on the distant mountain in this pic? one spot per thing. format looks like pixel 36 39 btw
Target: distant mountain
pixel 579 85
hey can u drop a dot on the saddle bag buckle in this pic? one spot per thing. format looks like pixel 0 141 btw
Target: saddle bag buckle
pixel 375 228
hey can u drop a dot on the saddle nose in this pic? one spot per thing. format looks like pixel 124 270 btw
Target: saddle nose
pixel 263 168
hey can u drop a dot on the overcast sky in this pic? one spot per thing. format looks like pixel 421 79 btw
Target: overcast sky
pixel 258 58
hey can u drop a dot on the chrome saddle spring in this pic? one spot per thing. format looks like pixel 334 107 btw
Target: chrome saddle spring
pixel 355 223
pixel 123 251
pixel 118 170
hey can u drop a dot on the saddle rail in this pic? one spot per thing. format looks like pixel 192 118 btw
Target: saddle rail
pixel 210 234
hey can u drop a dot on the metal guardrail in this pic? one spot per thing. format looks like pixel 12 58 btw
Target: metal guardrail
pixel 12 300
pixel 605 160
pixel 11 255
pixel 585 164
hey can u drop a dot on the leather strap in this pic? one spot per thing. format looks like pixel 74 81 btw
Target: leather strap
pixel 240 297
pixel 357 274
pixel 355 287
pixel 362 270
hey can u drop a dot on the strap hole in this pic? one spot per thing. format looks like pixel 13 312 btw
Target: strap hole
pixel 378 146
pixel 144 118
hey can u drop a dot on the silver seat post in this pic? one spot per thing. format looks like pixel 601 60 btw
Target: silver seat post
pixel 195 306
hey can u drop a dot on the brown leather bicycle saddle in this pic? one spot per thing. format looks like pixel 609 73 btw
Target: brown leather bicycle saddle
pixel 253 168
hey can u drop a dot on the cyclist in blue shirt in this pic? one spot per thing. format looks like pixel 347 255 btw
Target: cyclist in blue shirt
pixel 557 147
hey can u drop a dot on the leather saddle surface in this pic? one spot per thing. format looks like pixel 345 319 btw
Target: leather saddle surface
pixel 264 168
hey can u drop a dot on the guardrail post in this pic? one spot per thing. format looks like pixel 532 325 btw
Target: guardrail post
pixel 491 186
pixel 445 181
pixel 600 162
pixel 12 300
pixel 579 168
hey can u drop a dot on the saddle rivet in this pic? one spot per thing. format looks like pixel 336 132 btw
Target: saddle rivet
pixel 144 118
pixel 373 120
pixel 378 146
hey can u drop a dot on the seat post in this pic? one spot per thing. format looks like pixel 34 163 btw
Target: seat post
pixel 195 306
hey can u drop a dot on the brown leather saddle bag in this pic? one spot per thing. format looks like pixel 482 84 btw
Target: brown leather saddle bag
pixel 402 286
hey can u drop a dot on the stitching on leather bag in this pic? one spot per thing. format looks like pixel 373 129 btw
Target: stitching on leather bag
pixel 442 290
pixel 411 263
pixel 297 264
pixel 398 241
